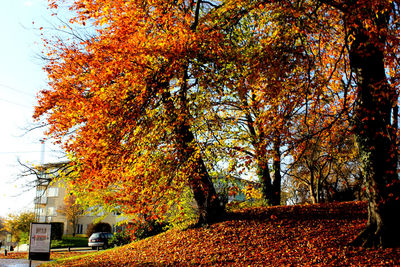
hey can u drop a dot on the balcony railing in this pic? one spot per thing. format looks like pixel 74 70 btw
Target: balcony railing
pixel 41 200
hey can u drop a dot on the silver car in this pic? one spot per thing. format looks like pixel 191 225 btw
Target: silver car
pixel 97 240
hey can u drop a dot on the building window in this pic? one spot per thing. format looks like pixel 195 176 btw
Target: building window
pixel 40 212
pixel 79 228
pixel 52 192
pixel 51 211
pixel 40 192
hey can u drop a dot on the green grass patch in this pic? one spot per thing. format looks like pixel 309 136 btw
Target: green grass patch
pixel 59 261
pixel 72 242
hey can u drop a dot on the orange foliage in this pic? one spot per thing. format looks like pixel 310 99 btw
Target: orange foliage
pixel 125 102
pixel 119 93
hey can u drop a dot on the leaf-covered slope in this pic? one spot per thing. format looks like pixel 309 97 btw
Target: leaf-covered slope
pixel 278 236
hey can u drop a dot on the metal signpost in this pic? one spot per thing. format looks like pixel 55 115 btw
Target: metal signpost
pixel 39 242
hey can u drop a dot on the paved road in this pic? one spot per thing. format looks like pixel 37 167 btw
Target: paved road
pixel 18 263
pixel 25 263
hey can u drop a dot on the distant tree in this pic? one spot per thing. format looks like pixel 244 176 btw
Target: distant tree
pixel 71 210
pixel 19 224
pixel 2 230
pixel 326 165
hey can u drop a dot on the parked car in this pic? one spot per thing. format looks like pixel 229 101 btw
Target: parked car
pixel 97 240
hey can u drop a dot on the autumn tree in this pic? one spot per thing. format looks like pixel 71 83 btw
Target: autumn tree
pixel 249 122
pixel 18 225
pixel 132 96
pixel 125 94
pixel 71 210
pixel 279 86
pixel 2 230
pixel 371 31
pixel 328 166
pixel 367 32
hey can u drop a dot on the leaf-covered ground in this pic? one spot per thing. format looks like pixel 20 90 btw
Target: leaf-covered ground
pixel 281 236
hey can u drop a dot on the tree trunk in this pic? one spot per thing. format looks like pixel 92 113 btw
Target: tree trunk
pixel 312 194
pixel 264 176
pixel 271 189
pixel 74 225
pixel 205 195
pixel 375 135
pixel 311 185
pixel 276 184
pixel 320 193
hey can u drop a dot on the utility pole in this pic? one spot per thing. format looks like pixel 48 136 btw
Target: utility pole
pixel 40 187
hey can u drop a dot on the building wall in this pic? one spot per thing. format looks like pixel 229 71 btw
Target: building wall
pixel 52 199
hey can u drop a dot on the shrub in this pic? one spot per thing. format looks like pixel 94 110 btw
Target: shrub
pixel 24 238
pixel 120 238
pixel 150 228
pixel 98 227
pixel 57 230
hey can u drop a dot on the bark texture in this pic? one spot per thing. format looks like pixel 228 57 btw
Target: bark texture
pixel 375 134
pixel 271 186
pixel 207 200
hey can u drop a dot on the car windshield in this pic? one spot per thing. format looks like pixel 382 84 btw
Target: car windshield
pixel 96 235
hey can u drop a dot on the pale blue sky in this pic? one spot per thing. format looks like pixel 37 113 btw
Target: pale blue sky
pixel 21 78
